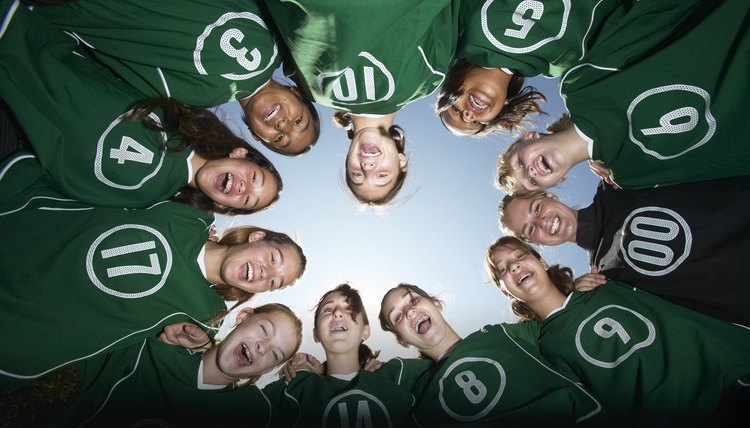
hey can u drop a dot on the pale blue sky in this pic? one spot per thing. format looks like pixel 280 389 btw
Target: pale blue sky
pixel 435 238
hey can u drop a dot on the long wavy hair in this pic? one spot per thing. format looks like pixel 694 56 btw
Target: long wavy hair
pixel 200 130
pixel 354 300
pixel 521 100
pixel 562 277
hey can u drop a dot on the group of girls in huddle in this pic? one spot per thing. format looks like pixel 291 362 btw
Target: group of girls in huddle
pixel 114 99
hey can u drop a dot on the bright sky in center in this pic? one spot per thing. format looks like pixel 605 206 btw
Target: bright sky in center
pixel 435 235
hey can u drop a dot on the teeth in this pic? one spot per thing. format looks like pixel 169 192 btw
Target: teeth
pixel 476 103
pixel 543 166
pixel 250 271
pixel 555 226
pixel 339 327
pixel 227 183
pixel 272 113
pixel 522 277
pixel 422 319
pixel 246 353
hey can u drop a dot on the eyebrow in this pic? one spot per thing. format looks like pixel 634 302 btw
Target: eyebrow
pixel 525 225
pixel 280 263
pixel 281 350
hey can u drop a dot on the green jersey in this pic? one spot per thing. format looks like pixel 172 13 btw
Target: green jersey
pixel 495 377
pixel 648 361
pixel 73 114
pixel 201 52
pixel 530 37
pixel 368 57
pixel 372 399
pixel 79 281
pixel 159 383
pixel 674 114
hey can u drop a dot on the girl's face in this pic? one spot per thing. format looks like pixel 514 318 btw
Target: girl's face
pixel 237 182
pixel 258 344
pixel 260 265
pixel 277 116
pixel 543 220
pixel 523 276
pixel 485 92
pixel 539 164
pixel 337 328
pixel 373 163
pixel 416 320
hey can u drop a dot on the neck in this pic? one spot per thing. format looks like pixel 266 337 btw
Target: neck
pixel 549 303
pixel 450 340
pixel 196 163
pixel 213 256
pixel 361 122
pixel 573 145
pixel 342 363
pixel 211 373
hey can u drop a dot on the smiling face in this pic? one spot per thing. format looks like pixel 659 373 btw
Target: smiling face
pixel 257 344
pixel 237 182
pixel 485 93
pixel 539 164
pixel 522 275
pixel 337 327
pixel 260 265
pixel 278 117
pixel 542 219
pixel 373 164
pixel 416 320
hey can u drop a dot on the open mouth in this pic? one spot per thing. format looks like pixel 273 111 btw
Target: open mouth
pixel 555 225
pixel 369 150
pixel 423 324
pixel 271 113
pixel 477 105
pixel 242 356
pixel 523 278
pixel 339 327
pixel 224 183
pixel 247 272
pixel 542 166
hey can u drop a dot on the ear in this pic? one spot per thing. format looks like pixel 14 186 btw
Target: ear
pixel 239 152
pixel 403 162
pixel 365 333
pixel 242 316
pixel 551 196
pixel 544 264
pixel 315 335
pixel 255 136
pixel 533 135
pixel 402 343
pixel 256 236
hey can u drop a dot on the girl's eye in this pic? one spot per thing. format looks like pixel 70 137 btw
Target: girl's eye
pixel 298 121
pixel 503 271
pixel 536 209
pixel 263 329
pixel 275 356
pixel 533 182
pixel 382 175
pixel 531 229
pixel 327 310
pixel 397 318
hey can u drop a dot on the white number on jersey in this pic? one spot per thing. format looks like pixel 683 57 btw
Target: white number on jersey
pixel 240 55
pixel 131 150
pixel 536 8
